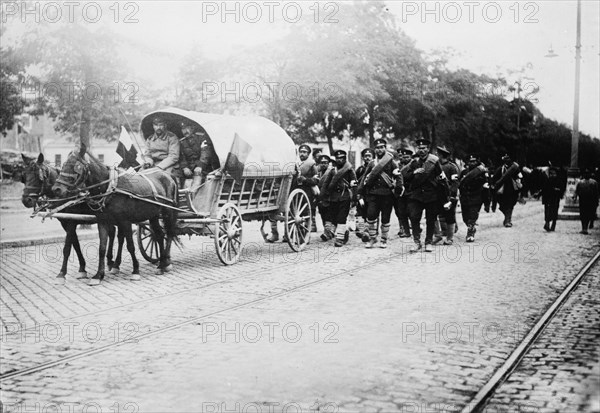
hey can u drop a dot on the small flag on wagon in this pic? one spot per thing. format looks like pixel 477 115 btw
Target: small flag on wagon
pixel 236 159
pixel 126 150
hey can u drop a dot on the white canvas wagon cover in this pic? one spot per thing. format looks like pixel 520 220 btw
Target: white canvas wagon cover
pixel 272 151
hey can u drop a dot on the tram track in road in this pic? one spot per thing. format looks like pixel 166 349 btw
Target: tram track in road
pixel 481 399
pixel 160 330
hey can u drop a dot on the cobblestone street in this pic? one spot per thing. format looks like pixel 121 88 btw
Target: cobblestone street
pixel 346 329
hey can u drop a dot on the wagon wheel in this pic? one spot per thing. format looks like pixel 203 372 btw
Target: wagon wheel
pixel 148 244
pixel 298 220
pixel 228 234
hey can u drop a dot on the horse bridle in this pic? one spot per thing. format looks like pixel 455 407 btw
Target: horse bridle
pixel 82 171
pixel 43 174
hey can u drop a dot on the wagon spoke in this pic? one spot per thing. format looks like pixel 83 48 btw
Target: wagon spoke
pixel 302 208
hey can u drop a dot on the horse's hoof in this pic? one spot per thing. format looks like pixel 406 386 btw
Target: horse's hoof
pixel 159 271
pixel 81 275
pixel 94 281
pixel 135 277
pixel 114 271
pixel 168 268
pixel 60 280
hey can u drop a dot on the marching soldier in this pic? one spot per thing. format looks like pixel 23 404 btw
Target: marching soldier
pixel 401 205
pixel 362 232
pixel 424 174
pixel 337 186
pixel 473 185
pixel 305 179
pixel 507 185
pixel 448 216
pixel 323 199
pixel 381 183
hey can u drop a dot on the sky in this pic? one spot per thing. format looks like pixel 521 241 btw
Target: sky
pixel 488 37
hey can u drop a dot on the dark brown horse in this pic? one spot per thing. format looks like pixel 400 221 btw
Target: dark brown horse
pixel 39 177
pixel 83 172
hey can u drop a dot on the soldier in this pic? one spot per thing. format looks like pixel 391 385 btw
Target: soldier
pixel 382 181
pixel 323 199
pixel 423 193
pixel 552 191
pixel 362 232
pixel 337 187
pixel 197 157
pixel 305 179
pixel 473 184
pixel 507 185
pixel 588 193
pixel 162 148
pixel 447 217
pixel 401 205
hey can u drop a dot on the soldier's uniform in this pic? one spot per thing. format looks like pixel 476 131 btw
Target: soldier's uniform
pixel 381 183
pixel 162 151
pixel 424 193
pixel 447 217
pixel 306 179
pixel 197 156
pixel 505 185
pixel 337 188
pixel 362 231
pixel 401 204
pixel 323 198
pixel 473 186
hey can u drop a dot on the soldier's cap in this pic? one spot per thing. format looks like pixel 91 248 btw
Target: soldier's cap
pixel 506 157
pixel 186 124
pixel 380 141
pixel 324 157
pixel 340 153
pixel 405 151
pixel 157 120
pixel 366 151
pixel 472 158
pixel 304 147
pixel 317 151
pixel 443 149
pixel 423 141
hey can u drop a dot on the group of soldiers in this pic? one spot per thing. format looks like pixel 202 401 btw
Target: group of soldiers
pixel 408 183
pixel 189 157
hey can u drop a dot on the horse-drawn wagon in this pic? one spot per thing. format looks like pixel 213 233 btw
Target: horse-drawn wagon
pixel 261 189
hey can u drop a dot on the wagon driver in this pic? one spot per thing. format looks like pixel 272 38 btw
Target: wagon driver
pixel 162 148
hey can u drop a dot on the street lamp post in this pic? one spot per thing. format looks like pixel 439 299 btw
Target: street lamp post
pixel 571 207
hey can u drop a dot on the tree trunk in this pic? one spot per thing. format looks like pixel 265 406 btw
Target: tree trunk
pixel 371 114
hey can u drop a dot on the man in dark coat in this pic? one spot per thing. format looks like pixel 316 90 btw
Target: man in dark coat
pixel 362 231
pixel 473 185
pixel 588 194
pixel 424 174
pixel 337 187
pixel 552 191
pixel 196 155
pixel 447 217
pixel 401 204
pixel 306 179
pixel 507 184
pixel 382 182
pixel 323 199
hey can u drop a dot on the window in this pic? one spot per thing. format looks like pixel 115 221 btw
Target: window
pixel 57 160
pixel 101 157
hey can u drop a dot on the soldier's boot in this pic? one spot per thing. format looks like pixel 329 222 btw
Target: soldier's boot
pixel 340 235
pixel 274 237
pixel 313 225
pixel 553 226
pixel 372 233
pixel 385 231
pixel 449 235
pixel 437 233
pixel 405 230
pixel 329 231
pixel 471 233
pixel 360 227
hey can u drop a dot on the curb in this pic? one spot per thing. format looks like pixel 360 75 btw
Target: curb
pixel 49 240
